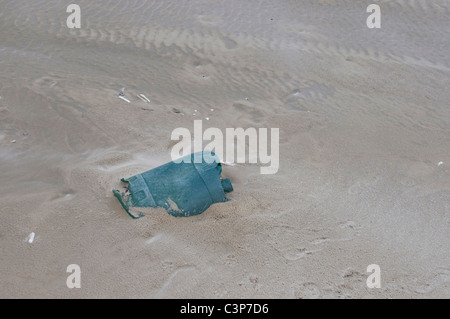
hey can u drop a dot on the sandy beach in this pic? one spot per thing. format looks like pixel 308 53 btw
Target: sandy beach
pixel 364 149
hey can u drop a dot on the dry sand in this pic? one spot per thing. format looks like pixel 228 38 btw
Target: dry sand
pixel 364 120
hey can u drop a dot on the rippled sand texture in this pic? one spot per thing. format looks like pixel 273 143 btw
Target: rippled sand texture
pixel 364 122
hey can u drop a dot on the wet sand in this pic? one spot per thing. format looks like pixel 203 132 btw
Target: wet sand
pixel 364 173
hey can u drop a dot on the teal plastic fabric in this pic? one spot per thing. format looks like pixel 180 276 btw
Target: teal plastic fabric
pixel 183 189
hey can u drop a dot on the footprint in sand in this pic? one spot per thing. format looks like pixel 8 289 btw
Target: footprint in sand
pixel 320 241
pixel 45 82
pixel 297 253
pixel 352 228
pixel 353 281
pixel 167 265
pixel 230 44
pixel 349 231
pixel 352 275
pixel 355 188
pixel 209 20
pixel 307 290
pixel 360 185
pixel 230 260
pixel 441 279
pixel 407 181
pixel 313 90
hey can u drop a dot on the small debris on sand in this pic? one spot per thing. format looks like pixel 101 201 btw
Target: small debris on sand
pixel 30 238
pixel 126 100
pixel 144 98
pixel 141 98
pixel 122 95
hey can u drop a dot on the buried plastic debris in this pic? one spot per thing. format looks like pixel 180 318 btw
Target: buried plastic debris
pixel 184 189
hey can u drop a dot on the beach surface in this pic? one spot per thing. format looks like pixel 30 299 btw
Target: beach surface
pixel 364 175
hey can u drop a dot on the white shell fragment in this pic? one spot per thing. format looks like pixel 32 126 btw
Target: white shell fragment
pixel 125 99
pixel 30 238
pixel 143 98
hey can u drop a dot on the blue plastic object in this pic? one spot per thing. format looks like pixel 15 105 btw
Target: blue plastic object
pixel 184 188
